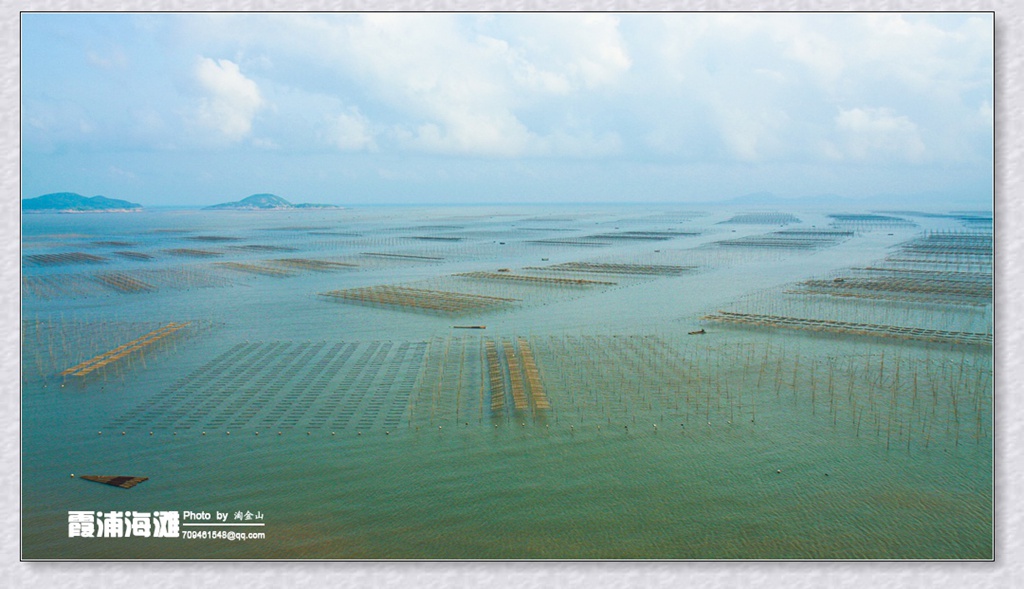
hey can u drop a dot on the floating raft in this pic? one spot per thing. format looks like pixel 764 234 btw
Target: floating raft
pixel 262 248
pixel 123 350
pixel 65 258
pixel 255 269
pixel 123 482
pixel 960 288
pixel 606 268
pixel 213 238
pixel 763 219
pixel 400 256
pixel 496 377
pixel 537 394
pixel 122 282
pixel 309 264
pixel 515 376
pixel 912 333
pixel 133 255
pixel 192 253
pixel 646 235
pixel 533 279
pixel 114 243
pixel 431 300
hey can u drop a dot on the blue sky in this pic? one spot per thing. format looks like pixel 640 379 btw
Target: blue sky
pixel 196 109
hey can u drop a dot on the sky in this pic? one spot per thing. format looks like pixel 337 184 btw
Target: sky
pixel 196 109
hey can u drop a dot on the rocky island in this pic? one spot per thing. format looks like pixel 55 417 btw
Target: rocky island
pixel 70 202
pixel 265 202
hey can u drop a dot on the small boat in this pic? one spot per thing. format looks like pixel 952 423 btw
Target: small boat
pixel 698 332
pixel 469 327
pixel 116 481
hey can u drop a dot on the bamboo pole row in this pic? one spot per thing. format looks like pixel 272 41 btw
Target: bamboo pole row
pixel 64 259
pixel 570 241
pixel 400 256
pixel 844 327
pixel 192 252
pixel 505 276
pixel 515 375
pixel 123 283
pixel 112 243
pixel 891 296
pixel 537 393
pixel 644 235
pixel 255 247
pixel 762 219
pixel 909 285
pixel 432 300
pixel 311 264
pixel 256 269
pixel 614 268
pixel 213 238
pixel 123 350
pixel 495 377
pixel 133 255
pixel 915 273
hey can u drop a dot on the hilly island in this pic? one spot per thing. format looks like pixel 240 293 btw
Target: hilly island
pixel 265 202
pixel 70 202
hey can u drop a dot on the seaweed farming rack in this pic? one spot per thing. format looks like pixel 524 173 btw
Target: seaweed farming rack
pixel 612 268
pixel 97 362
pixel 869 221
pixel 64 259
pixel 762 219
pixel 547 280
pixel 913 287
pixel 790 239
pixel 417 298
pixel 845 327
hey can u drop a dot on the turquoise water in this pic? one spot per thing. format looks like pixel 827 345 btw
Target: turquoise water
pixel 376 433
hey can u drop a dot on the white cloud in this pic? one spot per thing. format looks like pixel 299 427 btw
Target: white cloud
pixel 878 134
pixel 113 59
pixel 231 100
pixel 454 84
pixel 350 131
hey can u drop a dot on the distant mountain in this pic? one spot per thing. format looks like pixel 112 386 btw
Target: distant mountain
pixel 264 202
pixel 70 202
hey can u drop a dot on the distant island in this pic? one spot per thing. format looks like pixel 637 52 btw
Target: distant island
pixel 264 202
pixel 70 202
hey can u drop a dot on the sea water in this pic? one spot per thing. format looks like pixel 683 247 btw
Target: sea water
pixel 367 431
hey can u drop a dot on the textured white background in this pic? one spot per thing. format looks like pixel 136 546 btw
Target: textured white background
pixel 1007 570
